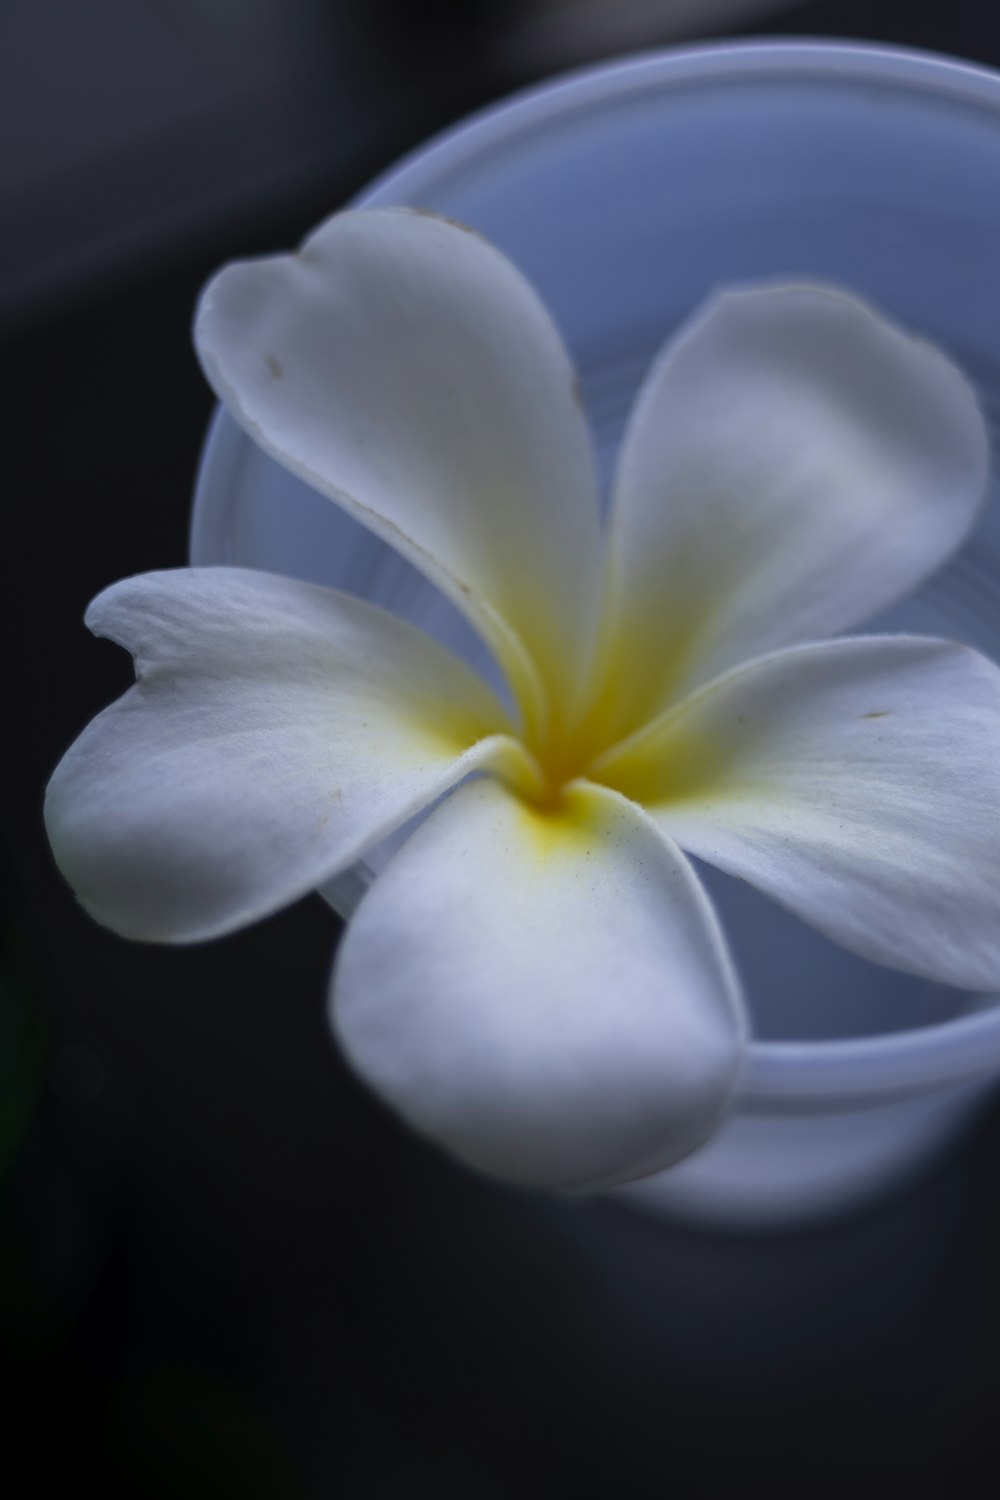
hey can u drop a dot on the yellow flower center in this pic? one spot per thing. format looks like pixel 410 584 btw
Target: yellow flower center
pixel 650 763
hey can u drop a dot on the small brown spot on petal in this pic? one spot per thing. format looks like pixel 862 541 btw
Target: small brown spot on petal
pixel 880 713
pixel 273 366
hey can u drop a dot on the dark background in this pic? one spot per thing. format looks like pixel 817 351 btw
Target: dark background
pixel 224 1270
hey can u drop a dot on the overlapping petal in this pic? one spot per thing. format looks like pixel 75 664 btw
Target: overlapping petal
pixel 858 783
pixel 794 463
pixel 276 731
pixel 546 994
pixel 402 366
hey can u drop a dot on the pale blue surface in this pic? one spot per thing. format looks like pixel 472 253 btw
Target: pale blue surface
pixel 626 193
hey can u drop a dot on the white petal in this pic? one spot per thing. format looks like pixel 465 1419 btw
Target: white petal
pixel 549 996
pixel 276 731
pixel 794 464
pixel 403 367
pixel 856 782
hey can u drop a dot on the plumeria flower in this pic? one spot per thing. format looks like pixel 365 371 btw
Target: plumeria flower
pixel 537 980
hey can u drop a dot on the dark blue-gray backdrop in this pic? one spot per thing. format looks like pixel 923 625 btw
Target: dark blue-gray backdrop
pixel 224 1271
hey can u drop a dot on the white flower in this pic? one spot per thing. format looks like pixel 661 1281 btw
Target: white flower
pixel 537 980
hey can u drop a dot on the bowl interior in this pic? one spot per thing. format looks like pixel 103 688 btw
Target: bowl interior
pixel 627 194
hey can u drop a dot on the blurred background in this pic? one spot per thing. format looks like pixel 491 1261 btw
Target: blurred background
pixel 224 1270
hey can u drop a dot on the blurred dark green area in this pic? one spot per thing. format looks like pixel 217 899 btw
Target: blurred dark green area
pixel 224 1271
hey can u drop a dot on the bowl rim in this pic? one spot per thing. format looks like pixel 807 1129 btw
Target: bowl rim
pixel 844 1073
pixel 578 90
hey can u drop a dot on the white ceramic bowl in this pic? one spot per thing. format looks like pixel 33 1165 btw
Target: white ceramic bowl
pixel 626 193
